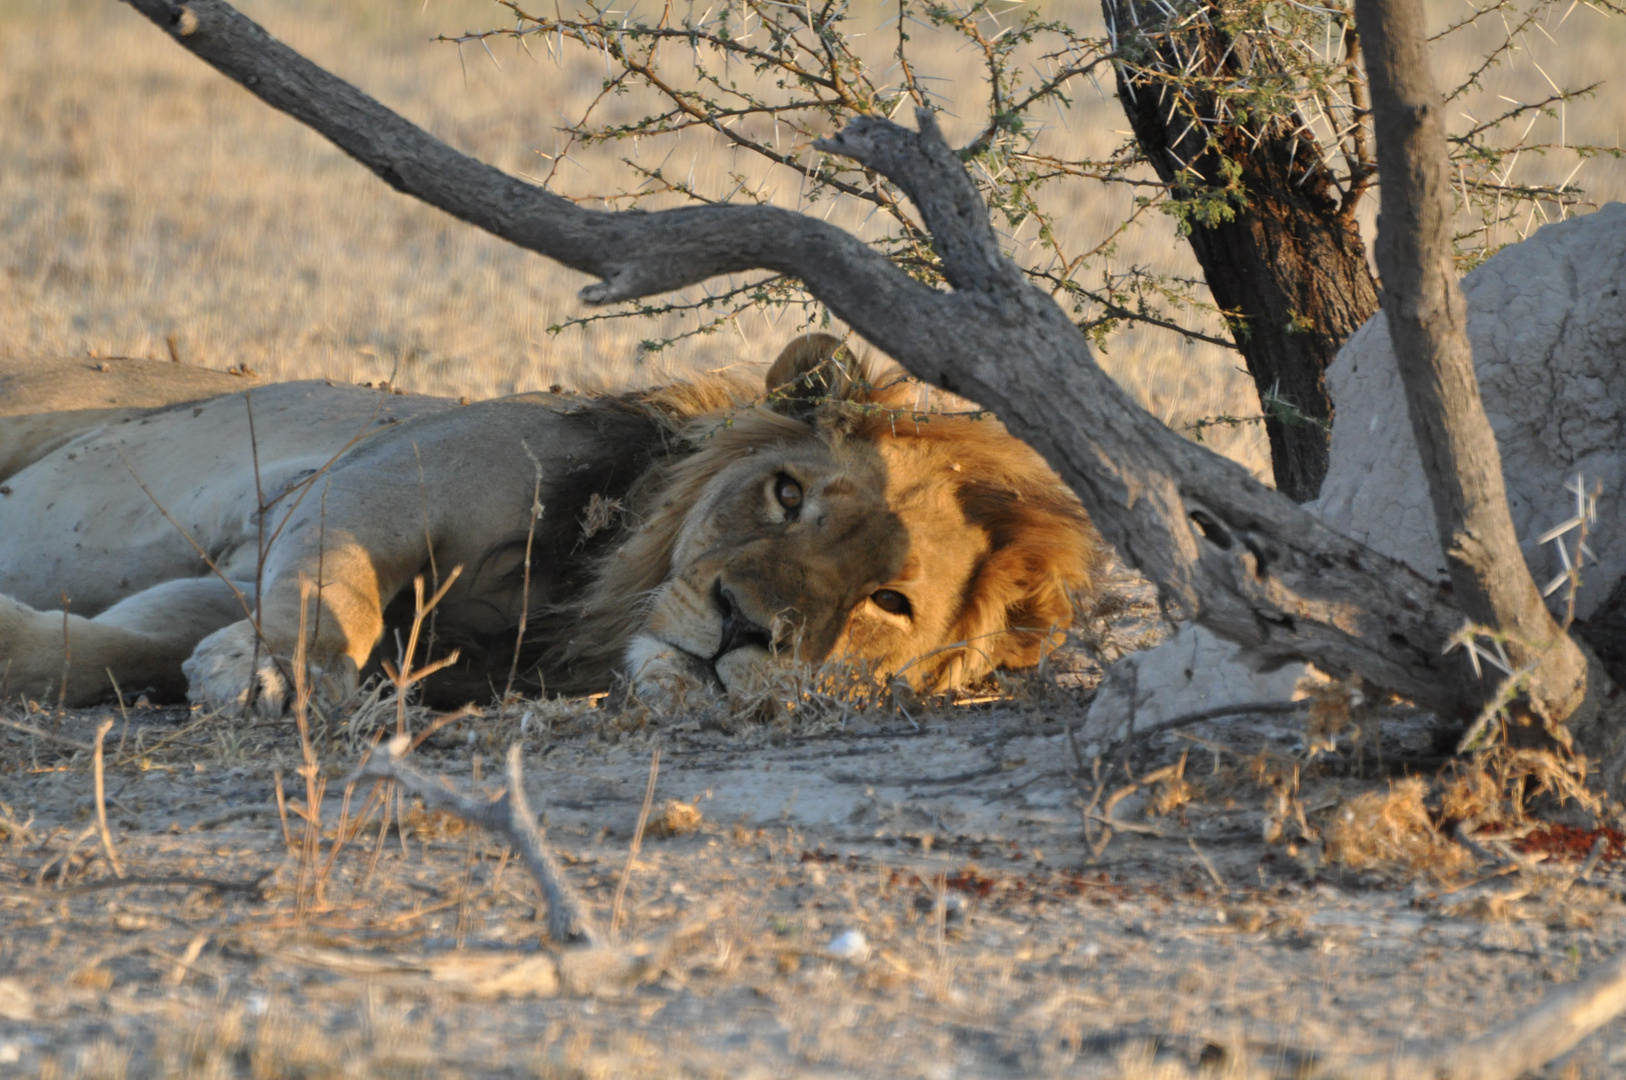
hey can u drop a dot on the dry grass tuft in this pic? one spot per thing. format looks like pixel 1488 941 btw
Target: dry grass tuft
pixel 1333 706
pixel 1392 832
pixel 676 819
pixel 426 824
pixel 1499 786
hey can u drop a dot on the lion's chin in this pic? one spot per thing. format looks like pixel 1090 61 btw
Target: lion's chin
pixel 670 679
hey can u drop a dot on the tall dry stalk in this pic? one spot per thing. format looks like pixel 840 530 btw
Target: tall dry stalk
pixel 637 842
pixel 101 800
pixel 67 658
pixel 315 783
pixel 402 674
pixel 534 515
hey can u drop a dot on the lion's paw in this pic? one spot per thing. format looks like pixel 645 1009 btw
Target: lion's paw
pixel 232 671
pixel 667 679
pixel 228 672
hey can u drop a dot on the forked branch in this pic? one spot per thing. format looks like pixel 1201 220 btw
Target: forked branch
pixel 508 816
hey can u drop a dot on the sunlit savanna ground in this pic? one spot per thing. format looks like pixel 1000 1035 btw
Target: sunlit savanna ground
pixel 144 196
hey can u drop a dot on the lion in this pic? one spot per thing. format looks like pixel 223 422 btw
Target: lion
pixel 698 535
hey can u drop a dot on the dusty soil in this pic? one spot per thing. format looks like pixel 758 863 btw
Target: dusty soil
pixel 883 896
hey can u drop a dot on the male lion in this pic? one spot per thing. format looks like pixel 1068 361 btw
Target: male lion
pixel 681 536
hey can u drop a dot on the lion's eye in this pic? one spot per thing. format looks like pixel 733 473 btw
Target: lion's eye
pixel 788 492
pixel 893 602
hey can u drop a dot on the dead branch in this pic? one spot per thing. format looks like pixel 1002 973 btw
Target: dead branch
pixel 1565 1018
pixel 101 799
pixel 509 816
pixel 1236 556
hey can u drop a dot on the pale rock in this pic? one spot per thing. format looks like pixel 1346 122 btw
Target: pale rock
pixel 849 945
pixel 1547 321
pixel 1193 671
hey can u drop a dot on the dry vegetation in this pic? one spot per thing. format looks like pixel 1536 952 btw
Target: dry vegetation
pixel 846 888
pixel 148 205
pixel 874 895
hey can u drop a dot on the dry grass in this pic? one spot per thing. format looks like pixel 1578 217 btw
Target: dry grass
pixel 1392 831
pixel 144 198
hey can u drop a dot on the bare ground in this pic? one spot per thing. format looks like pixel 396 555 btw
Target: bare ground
pixel 876 895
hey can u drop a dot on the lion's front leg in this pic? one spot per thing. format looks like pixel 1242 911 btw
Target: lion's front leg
pixel 332 599
pixel 235 670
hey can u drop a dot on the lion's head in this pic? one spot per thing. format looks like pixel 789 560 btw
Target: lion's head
pixel 839 520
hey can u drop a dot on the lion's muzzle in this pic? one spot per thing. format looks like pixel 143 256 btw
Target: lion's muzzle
pixel 738 631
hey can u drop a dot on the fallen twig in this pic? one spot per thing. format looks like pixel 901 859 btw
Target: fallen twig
pixel 101 799
pixel 229 816
pixel 41 733
pixel 1127 826
pixel 1256 708
pixel 510 817
pixel 160 881
pixel 1208 865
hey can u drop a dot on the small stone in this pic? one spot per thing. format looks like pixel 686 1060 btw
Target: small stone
pixel 849 945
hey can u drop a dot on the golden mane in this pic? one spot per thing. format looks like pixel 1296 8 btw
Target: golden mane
pixel 1042 547
pixel 1043 550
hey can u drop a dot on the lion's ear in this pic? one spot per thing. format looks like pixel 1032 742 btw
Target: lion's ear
pixel 812 370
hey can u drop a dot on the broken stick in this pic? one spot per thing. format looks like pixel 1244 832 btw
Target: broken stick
pixel 510 817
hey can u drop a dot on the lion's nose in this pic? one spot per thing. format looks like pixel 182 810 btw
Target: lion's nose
pixel 738 631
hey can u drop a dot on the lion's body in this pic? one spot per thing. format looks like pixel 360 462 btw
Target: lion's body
pixel 651 543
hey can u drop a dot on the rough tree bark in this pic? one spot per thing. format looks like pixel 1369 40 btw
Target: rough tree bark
pixel 1236 556
pixel 1427 319
pixel 1290 260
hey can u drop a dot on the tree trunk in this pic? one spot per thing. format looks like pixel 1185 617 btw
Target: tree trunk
pixel 1428 326
pixel 1277 242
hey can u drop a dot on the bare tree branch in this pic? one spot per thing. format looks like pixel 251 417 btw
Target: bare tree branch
pixel 1238 557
